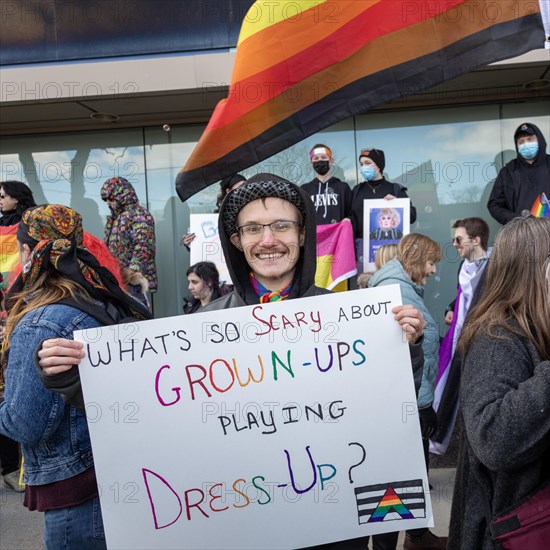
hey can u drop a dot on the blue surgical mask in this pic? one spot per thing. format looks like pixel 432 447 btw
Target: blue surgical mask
pixel 528 150
pixel 368 172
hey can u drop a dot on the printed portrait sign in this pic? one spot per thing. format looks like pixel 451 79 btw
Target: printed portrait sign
pixel 385 222
pixel 281 425
pixel 206 247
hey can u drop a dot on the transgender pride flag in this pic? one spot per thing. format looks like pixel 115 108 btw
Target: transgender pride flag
pixel 335 255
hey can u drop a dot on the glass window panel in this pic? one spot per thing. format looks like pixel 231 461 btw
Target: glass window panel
pixel 71 168
pixel 165 155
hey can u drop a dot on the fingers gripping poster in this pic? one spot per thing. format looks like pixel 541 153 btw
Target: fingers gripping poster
pixel 279 425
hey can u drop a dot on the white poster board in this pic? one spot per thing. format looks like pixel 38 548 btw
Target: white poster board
pixel 279 425
pixel 384 222
pixel 206 247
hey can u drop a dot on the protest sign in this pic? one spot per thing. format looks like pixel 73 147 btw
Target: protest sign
pixel 280 425
pixel 384 222
pixel 206 247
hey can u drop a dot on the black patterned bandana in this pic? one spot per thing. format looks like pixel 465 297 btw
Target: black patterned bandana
pixel 260 186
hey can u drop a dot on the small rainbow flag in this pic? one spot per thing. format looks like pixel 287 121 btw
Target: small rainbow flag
pixel 541 208
pixel 335 256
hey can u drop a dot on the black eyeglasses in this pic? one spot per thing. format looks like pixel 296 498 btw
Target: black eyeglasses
pixel 458 240
pixel 257 229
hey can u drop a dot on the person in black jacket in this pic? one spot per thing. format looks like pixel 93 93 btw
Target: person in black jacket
pixel 375 186
pixel 523 179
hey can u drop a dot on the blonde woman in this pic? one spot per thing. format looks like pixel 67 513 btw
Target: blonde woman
pixel 414 263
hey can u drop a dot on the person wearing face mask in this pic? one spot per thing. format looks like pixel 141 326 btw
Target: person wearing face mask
pixel 331 196
pixel 371 166
pixel 523 179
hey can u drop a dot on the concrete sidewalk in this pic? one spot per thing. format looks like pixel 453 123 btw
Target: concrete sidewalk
pixel 19 528
pixel 22 530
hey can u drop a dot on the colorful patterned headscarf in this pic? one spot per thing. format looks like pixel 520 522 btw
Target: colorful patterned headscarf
pixel 54 234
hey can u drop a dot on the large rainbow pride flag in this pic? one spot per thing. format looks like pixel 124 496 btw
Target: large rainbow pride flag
pixel 304 65
pixel 541 207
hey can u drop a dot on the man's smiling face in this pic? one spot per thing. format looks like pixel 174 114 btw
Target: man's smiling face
pixel 271 255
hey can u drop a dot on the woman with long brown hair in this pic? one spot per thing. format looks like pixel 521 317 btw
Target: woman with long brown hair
pixel 505 385
pixel 62 288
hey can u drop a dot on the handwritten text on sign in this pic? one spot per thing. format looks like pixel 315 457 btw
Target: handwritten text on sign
pixel 269 426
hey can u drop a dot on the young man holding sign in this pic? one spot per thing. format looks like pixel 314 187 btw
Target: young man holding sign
pixel 267 230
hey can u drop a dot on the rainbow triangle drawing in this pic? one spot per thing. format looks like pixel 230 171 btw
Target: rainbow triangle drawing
pixel 390 503
pixel 541 208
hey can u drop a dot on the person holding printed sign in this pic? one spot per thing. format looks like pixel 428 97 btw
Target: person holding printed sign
pixel 62 288
pixel 505 392
pixel 371 166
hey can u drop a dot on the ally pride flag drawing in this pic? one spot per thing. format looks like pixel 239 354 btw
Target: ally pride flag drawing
pixel 304 65
pixel 282 425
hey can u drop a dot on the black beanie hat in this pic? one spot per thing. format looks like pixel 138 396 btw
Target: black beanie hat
pixel 376 155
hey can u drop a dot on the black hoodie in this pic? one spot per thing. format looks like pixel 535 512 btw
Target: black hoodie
pixel 331 199
pixel 519 183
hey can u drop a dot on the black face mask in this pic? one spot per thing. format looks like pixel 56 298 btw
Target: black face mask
pixel 321 167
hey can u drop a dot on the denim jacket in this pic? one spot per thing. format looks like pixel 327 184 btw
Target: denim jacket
pixel 54 436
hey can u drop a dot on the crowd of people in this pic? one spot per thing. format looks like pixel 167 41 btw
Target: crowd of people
pixel 490 374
